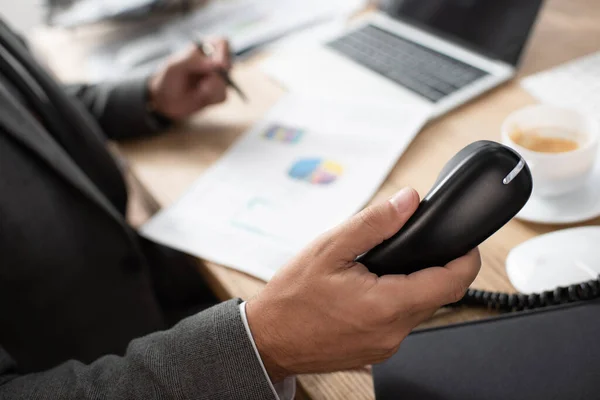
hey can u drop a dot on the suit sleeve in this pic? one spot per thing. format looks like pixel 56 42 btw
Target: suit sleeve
pixel 177 282
pixel 206 356
pixel 120 107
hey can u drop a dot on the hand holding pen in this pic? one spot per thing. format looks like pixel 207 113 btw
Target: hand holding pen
pixel 209 50
pixel 191 80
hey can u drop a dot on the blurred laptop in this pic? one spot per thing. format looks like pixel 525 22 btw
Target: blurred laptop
pixel 438 53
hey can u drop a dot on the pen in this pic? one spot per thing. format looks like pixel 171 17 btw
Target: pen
pixel 208 49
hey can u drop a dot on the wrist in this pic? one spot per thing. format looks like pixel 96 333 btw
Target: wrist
pixel 268 344
pixel 151 102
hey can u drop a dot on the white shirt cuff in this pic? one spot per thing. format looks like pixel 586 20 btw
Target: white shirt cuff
pixel 285 390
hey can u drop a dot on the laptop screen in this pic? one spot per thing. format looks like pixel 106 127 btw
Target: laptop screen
pixel 496 28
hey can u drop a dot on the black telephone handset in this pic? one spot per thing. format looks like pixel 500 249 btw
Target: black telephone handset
pixel 478 191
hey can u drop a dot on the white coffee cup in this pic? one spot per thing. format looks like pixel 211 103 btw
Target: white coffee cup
pixel 555 173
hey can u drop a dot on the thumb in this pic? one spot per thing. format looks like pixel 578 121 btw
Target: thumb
pixel 373 225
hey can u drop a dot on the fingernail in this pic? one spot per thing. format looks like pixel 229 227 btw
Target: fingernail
pixel 403 199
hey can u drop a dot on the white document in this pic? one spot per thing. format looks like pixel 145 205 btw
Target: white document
pixel 246 23
pixel 309 165
pixel 573 85
pixel 293 65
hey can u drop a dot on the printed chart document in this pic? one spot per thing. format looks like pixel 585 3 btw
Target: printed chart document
pixel 307 166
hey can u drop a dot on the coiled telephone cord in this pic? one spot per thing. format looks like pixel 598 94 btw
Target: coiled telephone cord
pixel 518 301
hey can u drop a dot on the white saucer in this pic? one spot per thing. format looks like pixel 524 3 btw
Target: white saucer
pixel 578 206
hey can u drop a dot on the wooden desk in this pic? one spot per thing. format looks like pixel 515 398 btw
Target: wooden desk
pixel 167 165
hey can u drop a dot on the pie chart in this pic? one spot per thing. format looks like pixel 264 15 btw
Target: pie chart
pixel 316 171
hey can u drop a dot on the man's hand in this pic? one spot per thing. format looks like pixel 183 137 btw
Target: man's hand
pixel 189 81
pixel 325 312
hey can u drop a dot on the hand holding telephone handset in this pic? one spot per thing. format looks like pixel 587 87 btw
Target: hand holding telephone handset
pixel 477 192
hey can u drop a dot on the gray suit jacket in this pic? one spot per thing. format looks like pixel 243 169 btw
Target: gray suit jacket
pixel 87 307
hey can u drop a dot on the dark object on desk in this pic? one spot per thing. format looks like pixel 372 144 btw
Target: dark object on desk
pixel 208 50
pixel 510 302
pixel 478 191
pixel 548 354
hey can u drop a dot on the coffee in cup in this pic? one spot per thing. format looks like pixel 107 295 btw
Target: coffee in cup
pixel 559 145
pixel 546 139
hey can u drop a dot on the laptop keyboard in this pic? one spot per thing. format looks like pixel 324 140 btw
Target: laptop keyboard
pixel 425 71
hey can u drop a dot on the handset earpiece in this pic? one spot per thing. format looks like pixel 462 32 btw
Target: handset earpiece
pixel 477 192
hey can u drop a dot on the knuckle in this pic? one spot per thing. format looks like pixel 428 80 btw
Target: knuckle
pixel 385 314
pixel 457 290
pixel 389 345
pixel 392 351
